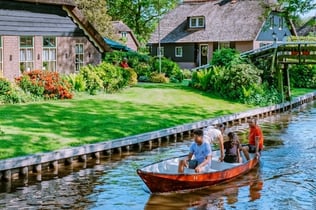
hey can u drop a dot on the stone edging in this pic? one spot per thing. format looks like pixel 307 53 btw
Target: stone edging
pixel 63 154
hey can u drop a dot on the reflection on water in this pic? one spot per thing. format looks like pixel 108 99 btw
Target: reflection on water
pixel 284 179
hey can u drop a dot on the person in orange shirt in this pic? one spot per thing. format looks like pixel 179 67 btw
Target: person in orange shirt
pixel 255 138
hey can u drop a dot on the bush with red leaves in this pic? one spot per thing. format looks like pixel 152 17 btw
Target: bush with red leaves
pixel 45 84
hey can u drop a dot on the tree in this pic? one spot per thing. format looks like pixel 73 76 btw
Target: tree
pixel 140 15
pixel 293 8
pixel 96 13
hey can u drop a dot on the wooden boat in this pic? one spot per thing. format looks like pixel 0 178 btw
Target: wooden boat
pixel 163 176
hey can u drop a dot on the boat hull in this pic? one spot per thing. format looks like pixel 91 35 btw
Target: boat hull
pixel 162 183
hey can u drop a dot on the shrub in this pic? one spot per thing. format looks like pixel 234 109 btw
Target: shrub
pixel 187 74
pixel 144 65
pixel 77 82
pixel 10 93
pixel 158 78
pixel 168 67
pixel 45 84
pixel 107 77
pixel 224 57
pixel 303 76
pixel 132 76
pixel 232 80
pixel 261 95
pixel 93 81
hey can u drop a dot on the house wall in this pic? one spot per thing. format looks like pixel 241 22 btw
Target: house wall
pixel 11 57
pixel 274 24
pixel 38 20
pixel 65 54
pixel 244 46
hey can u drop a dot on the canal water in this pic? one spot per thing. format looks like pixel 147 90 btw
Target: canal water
pixel 285 179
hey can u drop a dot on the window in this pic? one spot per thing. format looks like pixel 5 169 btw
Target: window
pixel 178 51
pixel 26 53
pixel 280 23
pixel 162 51
pixel 79 56
pixel 123 34
pixel 49 53
pixel 222 45
pixel 271 22
pixel 197 22
pixel 1 62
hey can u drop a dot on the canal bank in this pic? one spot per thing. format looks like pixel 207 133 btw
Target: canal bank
pixel 22 166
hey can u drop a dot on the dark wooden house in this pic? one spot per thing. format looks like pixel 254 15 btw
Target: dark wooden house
pixel 46 34
pixel 190 33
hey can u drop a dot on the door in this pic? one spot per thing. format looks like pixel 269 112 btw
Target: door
pixel 203 54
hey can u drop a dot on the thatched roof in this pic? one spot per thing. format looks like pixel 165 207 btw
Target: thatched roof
pixel 224 21
pixel 77 16
pixel 119 27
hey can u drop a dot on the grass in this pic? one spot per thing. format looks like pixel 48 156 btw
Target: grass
pixel 295 92
pixel 51 125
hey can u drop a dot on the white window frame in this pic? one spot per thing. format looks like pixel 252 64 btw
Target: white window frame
pixel 79 63
pixel 29 63
pixel 162 51
pixel 1 57
pixel 222 45
pixel 52 62
pixel 271 21
pixel 197 22
pixel 177 54
pixel 281 23
pixel 124 34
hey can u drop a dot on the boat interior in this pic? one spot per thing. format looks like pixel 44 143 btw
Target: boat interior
pixel 170 166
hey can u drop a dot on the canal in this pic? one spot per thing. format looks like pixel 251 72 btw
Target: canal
pixel 286 178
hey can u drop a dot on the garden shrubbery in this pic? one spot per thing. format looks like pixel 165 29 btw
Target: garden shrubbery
pixel 303 76
pixel 235 79
pixel 103 77
pixel 46 84
pixel 145 65
pixel 35 85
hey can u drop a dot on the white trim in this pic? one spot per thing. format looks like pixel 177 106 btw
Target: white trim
pixel 81 64
pixel 75 20
pixel 197 18
pixel 200 53
pixel 49 49
pixel 25 48
pixel 178 55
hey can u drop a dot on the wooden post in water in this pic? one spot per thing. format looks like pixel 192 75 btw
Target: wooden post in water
pixel 54 165
pixel 24 171
pixel 7 175
pixel 159 142
pixel 150 144
pixel 68 161
pixel 97 157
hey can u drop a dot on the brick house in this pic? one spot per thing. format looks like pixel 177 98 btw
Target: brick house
pixel 190 33
pixel 126 35
pixel 48 35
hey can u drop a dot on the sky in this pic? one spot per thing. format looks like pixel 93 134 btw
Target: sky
pixel 311 13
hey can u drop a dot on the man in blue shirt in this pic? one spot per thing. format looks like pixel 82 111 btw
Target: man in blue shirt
pixel 202 152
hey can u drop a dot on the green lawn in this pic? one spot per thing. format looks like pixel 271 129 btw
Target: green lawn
pixel 300 91
pixel 50 125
